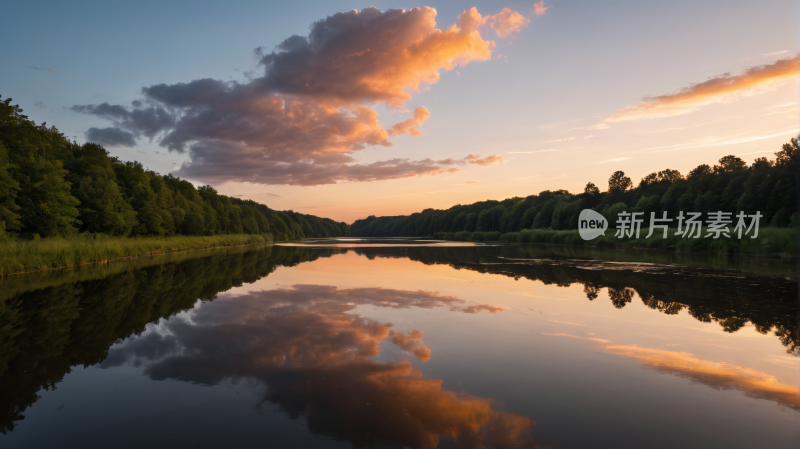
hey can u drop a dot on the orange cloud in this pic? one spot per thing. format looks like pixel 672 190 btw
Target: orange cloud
pixel 720 89
pixel 475 159
pixel 412 342
pixel 411 126
pixel 720 376
pixel 480 308
pixel 300 121
pixel 375 56
pixel 506 22
pixel 539 9
pixel 598 340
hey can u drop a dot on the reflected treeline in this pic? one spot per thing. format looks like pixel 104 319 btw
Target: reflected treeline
pixel 730 298
pixel 305 343
pixel 76 318
pixel 308 345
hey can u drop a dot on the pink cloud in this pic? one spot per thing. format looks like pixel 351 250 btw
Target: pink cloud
pixel 411 126
pixel 506 22
pixel 539 9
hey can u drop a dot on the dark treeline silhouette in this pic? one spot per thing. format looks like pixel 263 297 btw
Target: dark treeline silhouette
pixel 767 186
pixel 50 186
pixel 45 332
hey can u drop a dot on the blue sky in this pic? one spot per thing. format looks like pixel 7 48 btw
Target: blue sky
pixel 565 70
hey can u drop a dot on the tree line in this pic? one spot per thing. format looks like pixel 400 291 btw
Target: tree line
pixel 766 186
pixel 50 186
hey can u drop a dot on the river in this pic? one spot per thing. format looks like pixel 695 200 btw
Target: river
pixel 353 343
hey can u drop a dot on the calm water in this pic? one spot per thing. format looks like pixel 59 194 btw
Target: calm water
pixel 351 343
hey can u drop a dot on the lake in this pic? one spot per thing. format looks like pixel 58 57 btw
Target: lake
pixel 352 343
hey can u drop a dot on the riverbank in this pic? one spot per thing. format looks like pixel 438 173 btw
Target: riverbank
pixel 20 256
pixel 770 240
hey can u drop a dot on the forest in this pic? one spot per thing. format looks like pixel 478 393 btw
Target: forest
pixel 53 187
pixel 766 186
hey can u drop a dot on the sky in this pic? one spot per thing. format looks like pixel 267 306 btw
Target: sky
pixel 344 110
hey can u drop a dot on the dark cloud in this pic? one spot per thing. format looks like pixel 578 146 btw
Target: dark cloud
pixel 39 104
pixel 110 137
pixel 301 119
pixel 140 121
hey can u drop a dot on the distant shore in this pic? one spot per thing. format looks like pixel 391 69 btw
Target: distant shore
pixel 21 256
pixel 770 240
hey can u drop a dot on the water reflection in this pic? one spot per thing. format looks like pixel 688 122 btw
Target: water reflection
pixel 731 298
pixel 717 375
pixel 46 332
pixel 310 349
pixel 313 347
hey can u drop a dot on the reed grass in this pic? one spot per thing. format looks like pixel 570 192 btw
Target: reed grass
pixel 19 255
pixel 770 240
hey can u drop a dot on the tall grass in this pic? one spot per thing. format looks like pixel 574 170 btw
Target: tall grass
pixel 18 256
pixel 770 240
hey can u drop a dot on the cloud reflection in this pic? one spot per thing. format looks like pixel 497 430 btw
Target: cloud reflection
pixel 310 349
pixel 719 376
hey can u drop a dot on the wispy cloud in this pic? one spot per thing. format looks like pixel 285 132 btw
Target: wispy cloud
pixel 567 322
pixel 713 141
pixel 592 127
pixel 598 340
pixel 616 159
pixel 532 152
pixel 720 89
pixel 48 69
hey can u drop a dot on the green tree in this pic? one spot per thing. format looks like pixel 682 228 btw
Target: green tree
pixel 9 189
pixel 619 183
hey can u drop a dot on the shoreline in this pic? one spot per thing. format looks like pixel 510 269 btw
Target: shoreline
pixel 771 242
pixel 31 256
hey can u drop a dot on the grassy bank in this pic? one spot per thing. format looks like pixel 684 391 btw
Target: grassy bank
pixel 17 256
pixel 769 241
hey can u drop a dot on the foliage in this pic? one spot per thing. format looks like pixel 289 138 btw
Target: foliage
pixel 52 187
pixel 731 186
pixel 769 240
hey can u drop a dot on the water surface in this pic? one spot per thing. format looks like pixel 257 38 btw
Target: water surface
pixel 400 344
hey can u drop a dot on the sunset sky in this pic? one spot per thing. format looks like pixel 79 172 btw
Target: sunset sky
pixel 344 110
